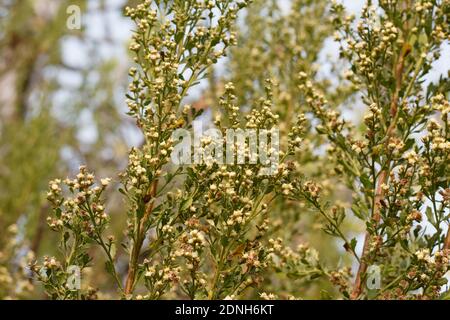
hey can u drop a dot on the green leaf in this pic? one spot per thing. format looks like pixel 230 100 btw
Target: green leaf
pixel 365 181
pixel 353 243
pixel 113 250
pixel 109 267
pixel 325 295
pixel 372 294
pixel 315 276
pixel 409 143
pixel 357 212
pixel 186 204
pixel 224 241
pixel 179 36
pixel 430 215
pixel 66 236
pixel 445 296
pixel 404 244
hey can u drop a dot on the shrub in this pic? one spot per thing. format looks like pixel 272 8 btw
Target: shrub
pixel 205 230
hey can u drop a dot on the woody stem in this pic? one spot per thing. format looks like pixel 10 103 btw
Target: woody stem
pixel 140 237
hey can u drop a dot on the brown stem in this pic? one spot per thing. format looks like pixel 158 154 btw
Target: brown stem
pixel 379 195
pixel 447 240
pixel 140 237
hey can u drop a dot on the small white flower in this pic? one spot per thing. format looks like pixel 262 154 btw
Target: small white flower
pixel 105 182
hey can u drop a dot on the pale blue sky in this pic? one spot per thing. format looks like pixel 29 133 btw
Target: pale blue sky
pixel 111 25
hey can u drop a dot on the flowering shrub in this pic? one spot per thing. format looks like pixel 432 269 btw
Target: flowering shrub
pixel 215 231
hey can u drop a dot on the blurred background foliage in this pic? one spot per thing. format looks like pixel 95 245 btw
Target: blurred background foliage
pixel 62 104
pixel 55 113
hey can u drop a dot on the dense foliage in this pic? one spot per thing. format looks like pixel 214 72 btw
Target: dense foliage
pixel 210 230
